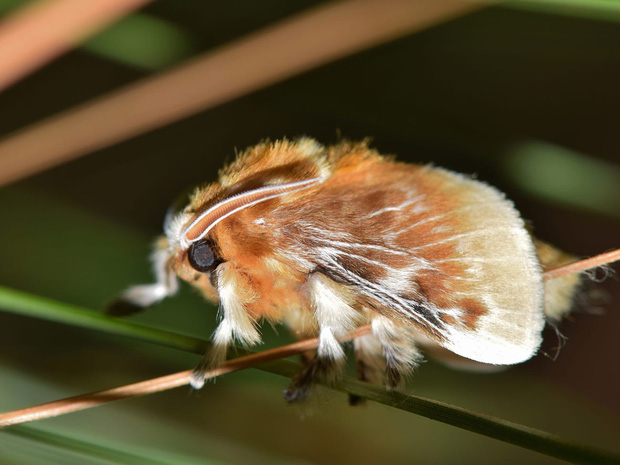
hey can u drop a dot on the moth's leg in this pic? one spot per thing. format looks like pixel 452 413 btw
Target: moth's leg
pixel 400 352
pixel 370 362
pixel 332 305
pixel 137 298
pixel 236 323
pixel 302 324
pixel 385 356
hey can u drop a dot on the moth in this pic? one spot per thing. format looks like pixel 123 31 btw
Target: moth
pixel 325 239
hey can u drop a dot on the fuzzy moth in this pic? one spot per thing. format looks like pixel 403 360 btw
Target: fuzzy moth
pixel 324 239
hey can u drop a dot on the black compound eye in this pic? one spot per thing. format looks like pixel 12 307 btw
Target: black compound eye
pixel 202 256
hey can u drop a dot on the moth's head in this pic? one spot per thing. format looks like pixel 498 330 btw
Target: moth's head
pixel 193 259
pixel 224 221
pixel 264 172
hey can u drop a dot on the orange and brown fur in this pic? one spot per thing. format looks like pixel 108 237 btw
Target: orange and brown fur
pixel 326 239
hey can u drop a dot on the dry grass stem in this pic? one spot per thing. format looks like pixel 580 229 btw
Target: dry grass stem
pixel 73 404
pixel 584 265
pixel 44 30
pixel 306 41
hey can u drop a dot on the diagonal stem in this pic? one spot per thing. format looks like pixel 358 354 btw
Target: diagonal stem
pixel 503 430
pixel 584 265
pixel 24 304
pixel 325 33
pixel 43 30
pixel 76 403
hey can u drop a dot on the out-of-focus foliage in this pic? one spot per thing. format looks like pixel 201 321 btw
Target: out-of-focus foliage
pixel 463 95
pixel 603 10
pixel 139 40
pixel 519 435
pixel 142 41
pixel 566 177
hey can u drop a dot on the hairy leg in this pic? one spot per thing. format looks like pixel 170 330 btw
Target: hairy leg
pixel 331 306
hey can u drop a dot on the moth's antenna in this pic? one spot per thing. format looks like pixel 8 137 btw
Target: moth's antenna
pixel 213 215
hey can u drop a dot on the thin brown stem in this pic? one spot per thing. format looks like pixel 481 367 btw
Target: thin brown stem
pixel 313 38
pixel 74 404
pixel 43 30
pixel 584 265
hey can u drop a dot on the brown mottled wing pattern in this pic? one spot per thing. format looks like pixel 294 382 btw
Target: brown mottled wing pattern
pixel 426 246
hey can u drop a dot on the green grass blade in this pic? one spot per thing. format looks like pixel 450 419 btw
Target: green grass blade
pixel 565 177
pixel 143 41
pixel 605 10
pixel 26 304
pixel 519 435
pixel 89 448
pixel 506 431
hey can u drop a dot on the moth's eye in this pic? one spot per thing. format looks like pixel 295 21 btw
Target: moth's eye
pixel 202 256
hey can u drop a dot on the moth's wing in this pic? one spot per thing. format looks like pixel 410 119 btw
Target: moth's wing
pixel 452 360
pixel 484 282
pixel 433 249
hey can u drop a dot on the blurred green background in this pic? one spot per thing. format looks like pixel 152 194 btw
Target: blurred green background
pixel 528 100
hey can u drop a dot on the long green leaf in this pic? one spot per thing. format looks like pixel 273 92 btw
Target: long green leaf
pixel 23 303
pixel 91 449
pixel 513 433
pixel 606 10
pixel 26 304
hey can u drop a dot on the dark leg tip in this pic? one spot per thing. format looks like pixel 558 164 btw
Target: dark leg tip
pixel 318 369
pixel 301 385
pixel 295 393
pixel 356 401
pixel 393 378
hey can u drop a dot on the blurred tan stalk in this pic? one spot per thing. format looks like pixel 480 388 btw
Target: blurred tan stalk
pixel 303 42
pixel 74 404
pixel 45 29
pixel 584 265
